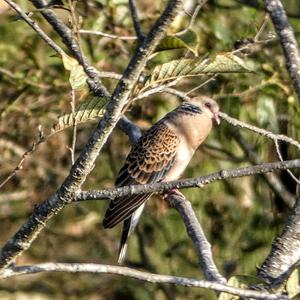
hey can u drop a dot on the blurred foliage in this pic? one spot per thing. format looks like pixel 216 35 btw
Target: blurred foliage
pixel 240 216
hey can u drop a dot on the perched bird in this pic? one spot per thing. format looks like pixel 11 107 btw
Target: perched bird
pixel 161 154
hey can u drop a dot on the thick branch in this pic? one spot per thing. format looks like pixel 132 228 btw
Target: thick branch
pixel 187 183
pixel 285 251
pixel 195 231
pixel 85 162
pixel 128 272
pixel 287 39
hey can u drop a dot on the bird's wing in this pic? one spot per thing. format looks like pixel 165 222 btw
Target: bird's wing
pixel 149 161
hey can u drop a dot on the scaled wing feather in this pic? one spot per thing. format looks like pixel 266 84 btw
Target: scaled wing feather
pixel 149 161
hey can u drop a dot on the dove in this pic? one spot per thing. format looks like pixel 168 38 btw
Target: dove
pixel 161 154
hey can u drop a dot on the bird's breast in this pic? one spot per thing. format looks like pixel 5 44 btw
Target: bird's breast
pixel 182 159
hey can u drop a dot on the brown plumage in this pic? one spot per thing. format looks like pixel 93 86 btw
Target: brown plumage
pixel 161 154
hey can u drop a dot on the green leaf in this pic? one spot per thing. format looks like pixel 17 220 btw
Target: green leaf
pixel 221 63
pixel 170 42
pixel 92 108
pixel 77 77
pixel 292 285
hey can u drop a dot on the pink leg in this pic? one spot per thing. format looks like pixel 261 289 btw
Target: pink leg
pixel 175 192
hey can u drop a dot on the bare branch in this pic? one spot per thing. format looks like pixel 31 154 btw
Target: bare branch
pixel 35 27
pixel 74 126
pixel 199 182
pixel 108 35
pixel 197 8
pixel 263 132
pixel 271 179
pixel 195 231
pixel 285 252
pixel 144 276
pixel 135 19
pixel 281 158
pixel 40 139
pixel 287 39
pixel 66 35
pixel 22 79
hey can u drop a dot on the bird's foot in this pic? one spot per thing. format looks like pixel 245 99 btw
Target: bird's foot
pixel 174 192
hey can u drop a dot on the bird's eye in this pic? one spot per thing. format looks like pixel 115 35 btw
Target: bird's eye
pixel 208 105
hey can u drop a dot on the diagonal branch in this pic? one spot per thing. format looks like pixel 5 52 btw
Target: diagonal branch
pixel 85 162
pixel 135 20
pixel 195 231
pixel 35 27
pixel 263 132
pixel 287 39
pixel 66 35
pixel 144 276
pixel 285 252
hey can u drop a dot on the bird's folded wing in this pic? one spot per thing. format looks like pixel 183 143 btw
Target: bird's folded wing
pixel 149 161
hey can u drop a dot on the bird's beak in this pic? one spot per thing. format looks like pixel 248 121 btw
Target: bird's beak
pixel 217 119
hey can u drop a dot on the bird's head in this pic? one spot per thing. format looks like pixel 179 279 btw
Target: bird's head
pixel 209 106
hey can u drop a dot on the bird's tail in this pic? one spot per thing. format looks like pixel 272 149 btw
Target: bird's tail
pixel 123 242
pixel 128 226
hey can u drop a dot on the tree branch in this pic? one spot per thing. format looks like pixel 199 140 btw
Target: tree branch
pixel 285 252
pixel 271 179
pixel 135 20
pixel 36 27
pixel 287 39
pixel 108 35
pixel 195 231
pixel 199 182
pixel 263 132
pixel 66 35
pixel 85 162
pixel 128 272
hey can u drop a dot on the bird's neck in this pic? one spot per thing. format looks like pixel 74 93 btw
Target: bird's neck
pixel 193 128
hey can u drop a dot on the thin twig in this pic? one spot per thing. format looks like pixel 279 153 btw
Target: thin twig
pixel 196 233
pixel 23 79
pixel 75 24
pixel 66 35
pixel 35 27
pixel 74 126
pixel 261 29
pixel 281 159
pixel 198 6
pixel 140 275
pixel 212 78
pixel 108 35
pixel 271 179
pixel 40 139
pixel 260 131
pixel 135 19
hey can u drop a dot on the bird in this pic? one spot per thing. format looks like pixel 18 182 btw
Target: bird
pixel 161 154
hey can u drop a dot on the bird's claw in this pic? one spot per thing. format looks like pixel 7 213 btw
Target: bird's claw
pixel 173 192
